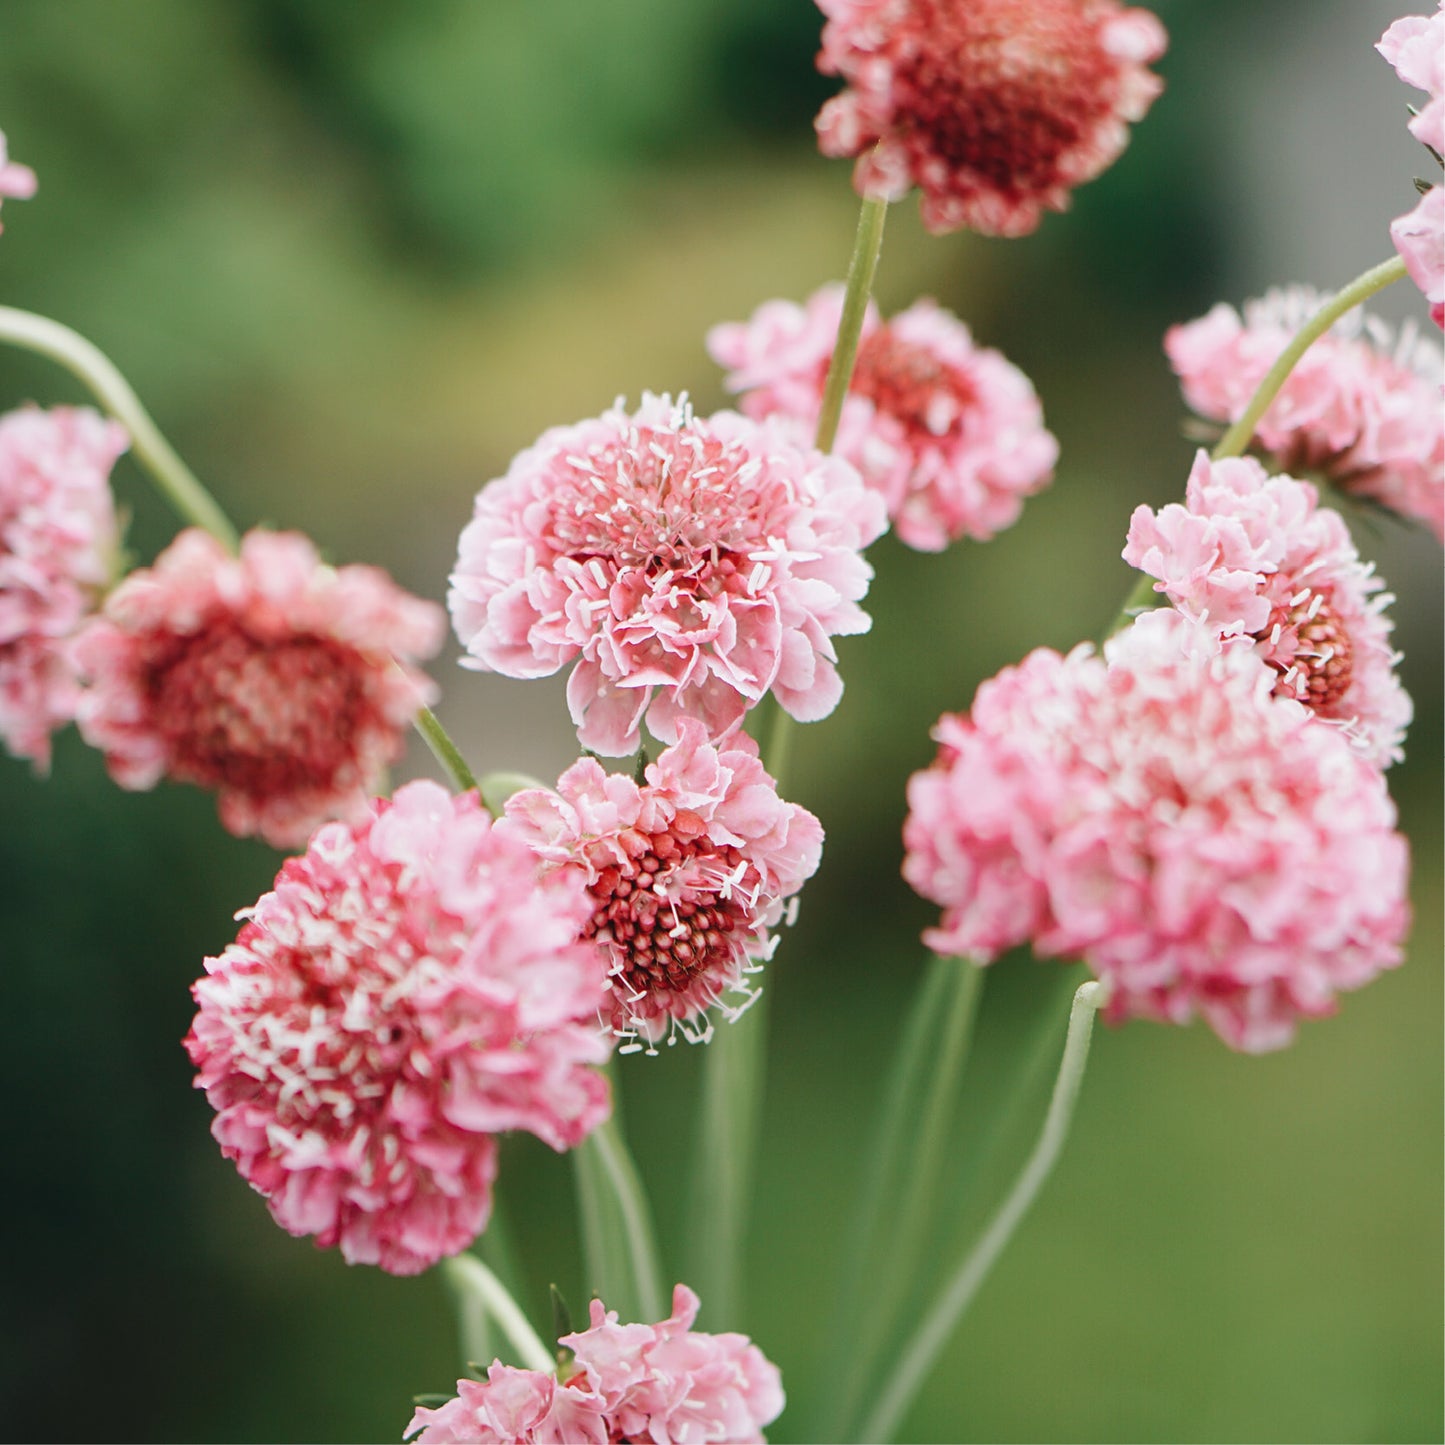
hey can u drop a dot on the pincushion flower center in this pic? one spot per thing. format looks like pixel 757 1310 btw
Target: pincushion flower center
pixel 1321 669
pixel 908 382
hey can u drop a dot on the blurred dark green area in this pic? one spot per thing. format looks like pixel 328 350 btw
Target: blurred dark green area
pixel 353 256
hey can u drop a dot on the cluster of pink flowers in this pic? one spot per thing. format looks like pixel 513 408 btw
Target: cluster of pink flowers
pixel 687 873
pixel 950 434
pixel 408 990
pixel 994 109
pixel 17 182
pixel 58 549
pixel 666 1383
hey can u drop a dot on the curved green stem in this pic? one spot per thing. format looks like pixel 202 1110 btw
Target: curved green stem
pixel 445 751
pixel 866 246
pixel 477 1287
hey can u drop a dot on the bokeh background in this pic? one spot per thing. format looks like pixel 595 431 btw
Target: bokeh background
pixel 354 255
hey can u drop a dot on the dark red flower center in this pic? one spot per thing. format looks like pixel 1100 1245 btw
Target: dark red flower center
pixel 1322 668
pixel 907 381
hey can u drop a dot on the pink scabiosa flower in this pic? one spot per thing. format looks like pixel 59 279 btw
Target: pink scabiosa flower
pixel 17 182
pixel 657 1383
pixel 688 565
pixel 1255 557
pixel 1419 237
pixel 994 109
pixel 284 684
pixel 951 435
pixel 1204 845
pixel 687 872
pixel 408 990
pixel 58 546
pixel 1362 407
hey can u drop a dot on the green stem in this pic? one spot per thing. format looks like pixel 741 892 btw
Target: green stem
pixel 445 751
pixel 866 246
pixel 478 1289
pixel 776 752
pixel 174 479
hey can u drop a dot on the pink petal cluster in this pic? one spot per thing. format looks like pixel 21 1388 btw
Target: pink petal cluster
pixel 1362 406
pixel 687 873
pixel 994 109
pixel 666 1384
pixel 58 545
pixel 1419 237
pixel 284 684
pixel 950 434
pixel 17 182
pixel 408 990
pixel 689 566
pixel 1204 845
pixel 1255 557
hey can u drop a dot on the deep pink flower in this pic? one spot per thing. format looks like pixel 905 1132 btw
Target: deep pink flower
pixel 409 990
pixel 950 434
pixel 667 1384
pixel 1362 406
pixel 1419 237
pixel 689 565
pixel 284 684
pixel 1253 556
pixel 994 109
pixel 17 182
pixel 687 873
pixel 1201 843
pixel 58 544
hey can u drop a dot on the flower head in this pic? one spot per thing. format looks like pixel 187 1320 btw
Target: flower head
pixel 58 543
pixel 658 1383
pixel 995 109
pixel 1201 843
pixel 687 873
pixel 688 565
pixel 1415 48
pixel 951 435
pixel 1419 237
pixel 17 182
pixel 408 990
pixel 282 683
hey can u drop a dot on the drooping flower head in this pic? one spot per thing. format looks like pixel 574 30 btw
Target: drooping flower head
pixel 284 684
pixel 1204 845
pixel 656 1383
pixel 950 434
pixel 17 182
pixel 58 545
pixel 409 990
pixel 1419 237
pixel 1255 557
pixel 994 109
pixel 688 565
pixel 1362 406
pixel 687 873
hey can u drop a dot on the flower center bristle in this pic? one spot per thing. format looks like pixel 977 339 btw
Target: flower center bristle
pixel 1322 668
pixel 908 382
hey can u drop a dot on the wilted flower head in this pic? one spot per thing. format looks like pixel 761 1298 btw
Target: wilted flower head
pixel 17 182
pixel 690 566
pixel 284 684
pixel 1201 843
pixel 687 873
pixel 949 433
pixel 657 1383
pixel 409 990
pixel 994 109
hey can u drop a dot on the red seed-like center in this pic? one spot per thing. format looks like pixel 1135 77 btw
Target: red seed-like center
pixel 908 382
pixel 1324 659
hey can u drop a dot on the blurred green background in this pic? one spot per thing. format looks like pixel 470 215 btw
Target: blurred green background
pixel 355 254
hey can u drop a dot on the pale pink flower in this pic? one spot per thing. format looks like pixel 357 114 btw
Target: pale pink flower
pixel 17 182
pixel 1362 407
pixel 1203 844
pixel 58 544
pixel 284 684
pixel 1255 557
pixel 409 990
pixel 689 566
pixel 950 434
pixel 1415 47
pixel 1419 237
pixel 666 1384
pixel 994 109
pixel 688 872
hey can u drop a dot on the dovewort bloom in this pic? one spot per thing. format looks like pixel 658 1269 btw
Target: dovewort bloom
pixel 994 109
pixel 17 182
pixel 409 990
pixel 284 684
pixel 689 566
pixel 687 873
pixel 1204 845
pixel 655 1383
pixel 950 434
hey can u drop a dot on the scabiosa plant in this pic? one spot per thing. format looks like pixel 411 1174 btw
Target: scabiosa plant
pixel 689 566
pixel 408 990
pixel 58 546
pixel 687 872
pixel 284 684
pixel 17 182
pixel 949 433
pixel 660 1383
pixel 994 109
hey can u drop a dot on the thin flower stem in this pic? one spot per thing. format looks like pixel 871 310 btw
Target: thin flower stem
pixel 866 246
pixel 174 479
pixel 636 1216
pixel 776 753
pixel 474 1284
pixel 445 751
pixel 938 1324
